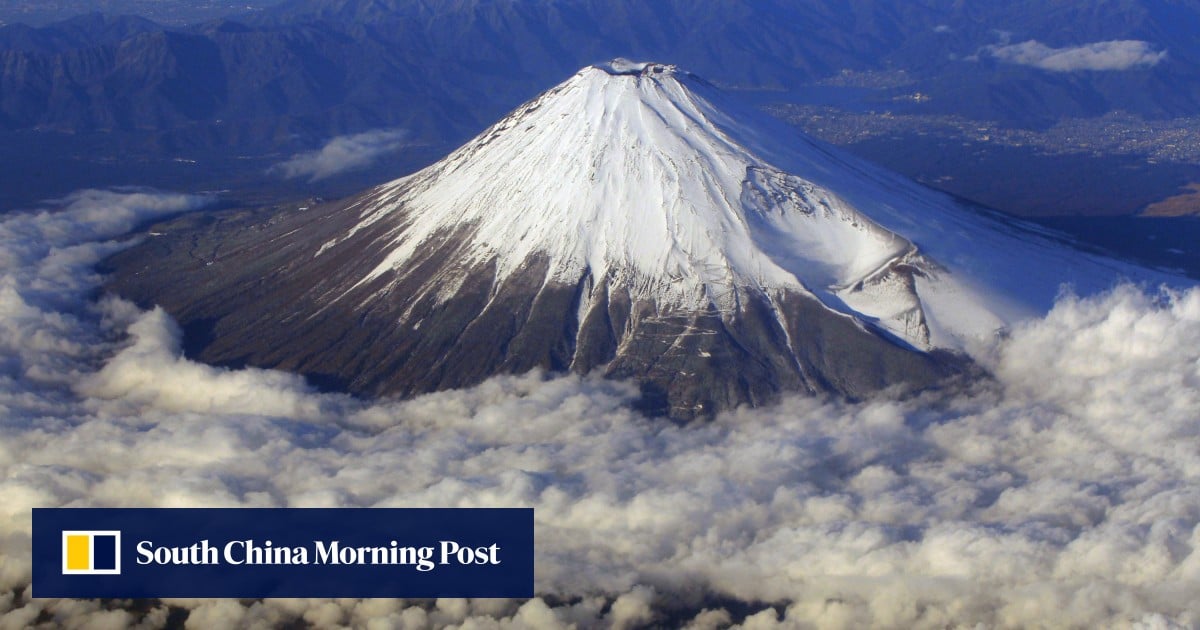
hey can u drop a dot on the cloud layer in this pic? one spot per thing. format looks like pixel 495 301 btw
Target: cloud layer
pixel 342 154
pixel 1110 55
pixel 1065 492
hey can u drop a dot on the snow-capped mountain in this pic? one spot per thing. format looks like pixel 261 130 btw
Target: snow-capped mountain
pixel 635 220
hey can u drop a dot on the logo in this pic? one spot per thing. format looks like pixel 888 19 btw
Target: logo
pixel 258 553
pixel 91 552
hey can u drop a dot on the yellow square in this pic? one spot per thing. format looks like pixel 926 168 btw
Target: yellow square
pixel 78 553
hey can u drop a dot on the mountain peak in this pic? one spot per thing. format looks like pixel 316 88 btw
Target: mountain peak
pixel 623 66
pixel 647 183
pixel 639 181
pixel 668 189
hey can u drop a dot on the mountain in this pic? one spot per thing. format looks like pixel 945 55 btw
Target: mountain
pixel 84 31
pixel 176 12
pixel 634 220
pixel 447 67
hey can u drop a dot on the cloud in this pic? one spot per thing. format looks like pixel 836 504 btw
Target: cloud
pixel 1098 56
pixel 1064 492
pixel 136 375
pixel 341 154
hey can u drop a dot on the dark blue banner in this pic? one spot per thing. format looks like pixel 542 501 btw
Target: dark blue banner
pixel 278 552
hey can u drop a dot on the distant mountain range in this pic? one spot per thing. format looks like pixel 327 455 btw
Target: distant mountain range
pixel 174 12
pixel 443 68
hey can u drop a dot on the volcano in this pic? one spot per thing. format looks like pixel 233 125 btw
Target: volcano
pixel 636 221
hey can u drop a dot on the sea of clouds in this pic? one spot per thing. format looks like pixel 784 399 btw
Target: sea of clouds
pixel 1066 492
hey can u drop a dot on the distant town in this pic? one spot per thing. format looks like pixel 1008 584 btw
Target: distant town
pixel 1118 133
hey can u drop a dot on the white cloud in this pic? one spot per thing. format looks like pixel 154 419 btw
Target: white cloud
pixel 153 372
pixel 1110 55
pixel 1066 492
pixel 341 154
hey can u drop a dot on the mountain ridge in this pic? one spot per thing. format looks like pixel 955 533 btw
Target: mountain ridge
pixel 283 60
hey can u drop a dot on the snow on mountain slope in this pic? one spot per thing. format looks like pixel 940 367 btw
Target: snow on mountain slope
pixel 647 175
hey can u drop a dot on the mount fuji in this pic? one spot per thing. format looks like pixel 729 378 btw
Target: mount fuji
pixel 633 220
